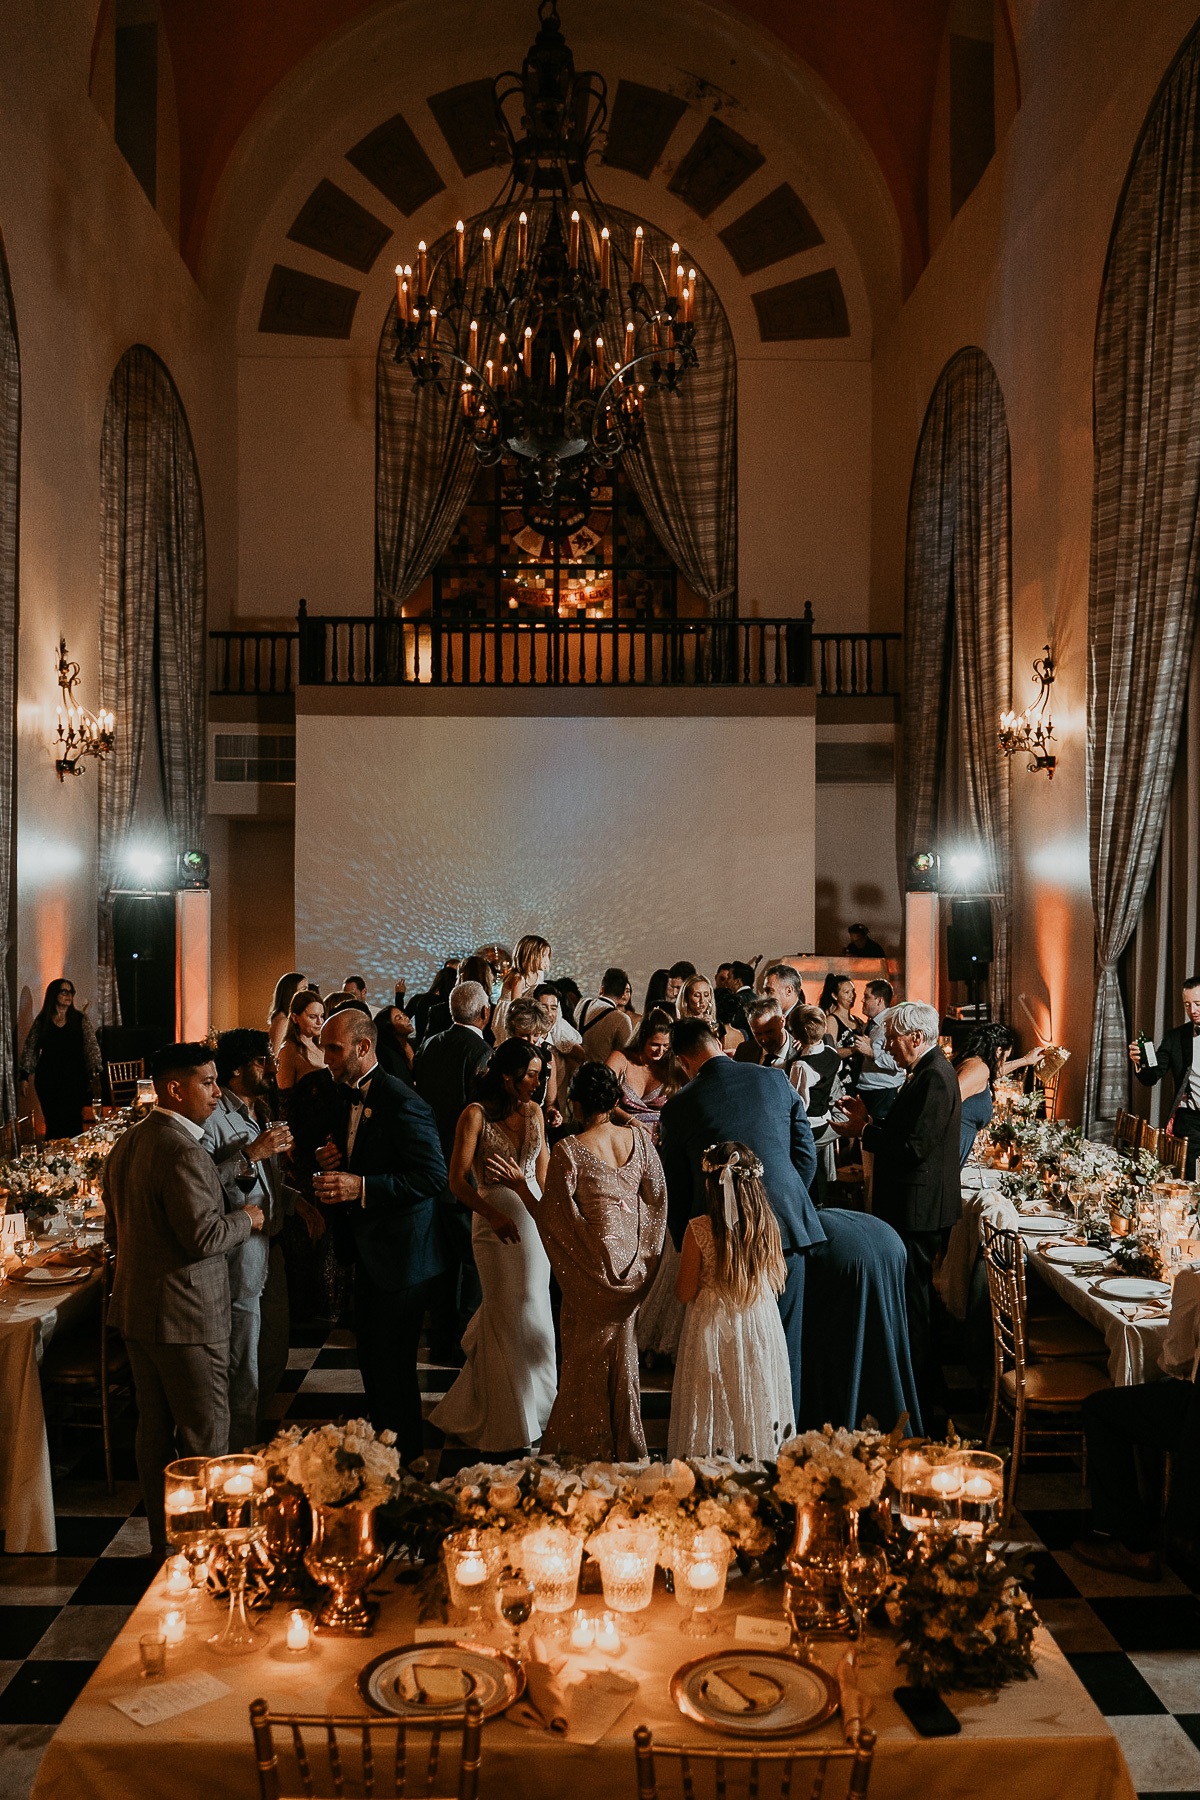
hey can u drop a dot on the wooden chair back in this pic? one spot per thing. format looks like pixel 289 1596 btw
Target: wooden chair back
pixel 788 1772
pixel 1049 1089
pixel 350 1768
pixel 1004 1263
pixel 1125 1129
pixel 123 1078
pixel 1172 1152
pixel 1146 1137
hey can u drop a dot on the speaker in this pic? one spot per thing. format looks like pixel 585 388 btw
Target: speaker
pixel 144 951
pixel 922 873
pixel 969 948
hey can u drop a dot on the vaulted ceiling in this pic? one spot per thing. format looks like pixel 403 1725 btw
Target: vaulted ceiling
pixel 879 57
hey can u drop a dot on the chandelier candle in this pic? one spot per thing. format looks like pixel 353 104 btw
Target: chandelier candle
pixel 459 258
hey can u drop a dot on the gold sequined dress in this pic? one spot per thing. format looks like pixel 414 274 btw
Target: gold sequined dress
pixel 603 1229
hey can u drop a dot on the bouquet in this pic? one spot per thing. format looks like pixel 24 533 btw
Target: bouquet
pixel 338 1465
pixel 845 1468
pixel 965 1618
pixel 1137 1254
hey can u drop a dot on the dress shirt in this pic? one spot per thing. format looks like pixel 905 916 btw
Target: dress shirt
pixel 1192 1096
pixel 882 1071
pixel 358 1107
pixel 197 1131
pixel 260 1193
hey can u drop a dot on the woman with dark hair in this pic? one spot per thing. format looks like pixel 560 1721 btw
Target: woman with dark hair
pixel 662 993
pixel 643 1069
pixel 501 1399
pixel 394 1046
pixel 602 1219
pixel 842 1025
pixel 286 989
pixel 984 1058
pixel 300 1053
pixel 62 1059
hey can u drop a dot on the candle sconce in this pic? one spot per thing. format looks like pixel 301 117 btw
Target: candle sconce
pixel 1032 731
pixel 80 733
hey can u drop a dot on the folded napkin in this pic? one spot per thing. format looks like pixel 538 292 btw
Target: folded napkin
pixel 69 1259
pixel 583 1711
pixel 853 1703
pixel 544 1694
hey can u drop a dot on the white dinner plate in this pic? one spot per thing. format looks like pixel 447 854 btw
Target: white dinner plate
pixel 496 1680
pixel 1132 1287
pixel 1040 1226
pixel 807 1695
pixel 39 1276
pixel 1081 1256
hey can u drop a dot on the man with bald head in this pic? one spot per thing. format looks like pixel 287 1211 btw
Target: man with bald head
pixel 387 1174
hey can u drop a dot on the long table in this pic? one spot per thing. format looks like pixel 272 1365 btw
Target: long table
pixel 1042 1738
pixel 29 1318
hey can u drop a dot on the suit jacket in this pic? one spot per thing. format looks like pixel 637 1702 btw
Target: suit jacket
pixel 916 1185
pixel 446 1066
pixel 398 1154
pixel 167 1221
pixel 747 1105
pixel 749 1050
pixel 225 1137
pixel 1174 1058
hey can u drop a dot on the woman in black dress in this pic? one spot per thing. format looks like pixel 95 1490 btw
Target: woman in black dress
pixel 62 1059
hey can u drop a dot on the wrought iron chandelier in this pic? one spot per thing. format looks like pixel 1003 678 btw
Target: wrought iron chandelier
pixel 1031 733
pixel 551 338
pixel 80 733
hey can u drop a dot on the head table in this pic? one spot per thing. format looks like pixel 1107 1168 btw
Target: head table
pixel 1041 1739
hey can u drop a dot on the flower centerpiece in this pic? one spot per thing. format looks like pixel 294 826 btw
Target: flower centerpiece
pixel 964 1614
pixel 827 1477
pixel 346 1472
pixel 1137 1253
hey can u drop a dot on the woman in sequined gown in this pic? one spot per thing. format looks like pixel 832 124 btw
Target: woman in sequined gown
pixel 501 1399
pixel 602 1220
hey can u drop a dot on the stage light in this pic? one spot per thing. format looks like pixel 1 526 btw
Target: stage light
pixel 922 873
pixel 964 862
pixel 142 861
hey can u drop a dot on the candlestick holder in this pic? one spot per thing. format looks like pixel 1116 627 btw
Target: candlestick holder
pixel 237 1487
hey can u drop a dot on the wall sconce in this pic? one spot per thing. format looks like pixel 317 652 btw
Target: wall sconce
pixel 81 733
pixel 1032 731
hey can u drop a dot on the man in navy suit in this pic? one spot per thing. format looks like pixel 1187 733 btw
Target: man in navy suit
pixel 389 1173
pixel 726 1101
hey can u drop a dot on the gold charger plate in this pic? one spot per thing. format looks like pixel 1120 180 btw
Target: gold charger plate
pixel 498 1680
pixel 38 1275
pixel 809 1697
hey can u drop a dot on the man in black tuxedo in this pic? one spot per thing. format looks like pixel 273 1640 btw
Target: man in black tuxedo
pixel 916 1185
pixel 389 1173
pixel 443 1073
pixel 725 1101
pixel 1179 1056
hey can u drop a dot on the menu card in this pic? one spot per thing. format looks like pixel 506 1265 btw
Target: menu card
pixel 158 1700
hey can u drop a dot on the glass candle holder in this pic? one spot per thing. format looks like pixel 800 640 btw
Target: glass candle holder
pixel 551 1559
pixel 700 1567
pixel 472 1571
pixel 188 1515
pixel 608 1635
pixel 583 1630
pixel 298 1637
pixel 627 1562
pixel 928 1493
pixel 237 1487
pixel 981 1496
pixel 173 1627
pixel 152 1649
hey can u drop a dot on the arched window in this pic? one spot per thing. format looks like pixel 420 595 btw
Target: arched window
pixel 958 638
pixel 10 472
pixel 152 646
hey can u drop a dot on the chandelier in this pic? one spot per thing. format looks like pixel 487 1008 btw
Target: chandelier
pixel 80 733
pixel 548 334
pixel 1032 732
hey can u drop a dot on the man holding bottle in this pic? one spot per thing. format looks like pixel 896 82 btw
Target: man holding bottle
pixel 1178 1056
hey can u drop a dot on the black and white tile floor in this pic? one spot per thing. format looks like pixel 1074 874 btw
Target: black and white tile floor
pixel 1136 1648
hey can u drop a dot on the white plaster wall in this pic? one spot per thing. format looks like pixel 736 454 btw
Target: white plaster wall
pixel 856 874
pixel 630 841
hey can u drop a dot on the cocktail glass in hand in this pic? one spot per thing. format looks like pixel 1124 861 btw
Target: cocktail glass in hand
pixel 237 1487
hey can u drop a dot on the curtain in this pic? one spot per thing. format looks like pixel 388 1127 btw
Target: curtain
pixel 152 606
pixel 1144 568
pixel 684 472
pixel 10 461
pixel 958 639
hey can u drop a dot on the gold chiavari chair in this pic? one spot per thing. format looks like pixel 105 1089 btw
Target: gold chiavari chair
pixel 86 1375
pixel 123 1078
pixel 350 1743
pixel 794 1774
pixel 1125 1129
pixel 1172 1152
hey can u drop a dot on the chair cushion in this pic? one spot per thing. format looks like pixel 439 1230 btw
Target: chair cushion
pixel 1064 1336
pixel 1055 1384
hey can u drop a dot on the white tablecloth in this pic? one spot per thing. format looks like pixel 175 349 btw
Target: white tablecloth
pixel 29 1317
pixel 1040 1739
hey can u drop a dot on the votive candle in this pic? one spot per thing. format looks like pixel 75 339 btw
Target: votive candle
pixel 174 1627
pixel 299 1632
pixel 608 1638
pixel 583 1632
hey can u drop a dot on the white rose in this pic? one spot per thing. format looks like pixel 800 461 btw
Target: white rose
pixel 682 1480
pixel 504 1495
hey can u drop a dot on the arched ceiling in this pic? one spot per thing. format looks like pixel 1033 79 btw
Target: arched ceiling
pixel 879 57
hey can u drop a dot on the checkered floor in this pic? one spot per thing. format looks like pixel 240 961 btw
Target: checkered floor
pixel 1136 1648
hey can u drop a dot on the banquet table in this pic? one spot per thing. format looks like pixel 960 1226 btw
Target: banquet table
pixel 29 1318
pixel 1043 1738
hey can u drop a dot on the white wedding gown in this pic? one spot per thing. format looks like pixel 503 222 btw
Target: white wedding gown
pixel 732 1393
pixel 502 1396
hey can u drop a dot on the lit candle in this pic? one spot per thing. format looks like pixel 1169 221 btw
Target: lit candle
pixel 687 305
pixel 181 1500
pixel 573 242
pixel 583 1632
pixel 488 369
pixel 179 1578
pixel 703 1575
pixel 604 250
pixel 528 351
pixel 466 399
pixel 629 341
pixel 489 267
pixel 173 1626
pixel 575 340
pixel 553 369
pixel 459 251
pixel 239 1487
pixel 401 294
pixel 607 1636
pixel 637 256
pixel 676 271
pixel 979 1488
pixel 299 1632
pixel 600 356
pixel 422 269
pixel 945 1481
pixel 472 1570
pixel 473 350
pixel 522 233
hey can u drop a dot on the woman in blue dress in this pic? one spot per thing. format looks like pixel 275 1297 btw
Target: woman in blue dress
pixel 984 1058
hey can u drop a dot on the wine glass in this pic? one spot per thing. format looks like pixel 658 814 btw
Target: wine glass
pixel 516 1605
pixel 76 1216
pixel 26 1249
pixel 864 1581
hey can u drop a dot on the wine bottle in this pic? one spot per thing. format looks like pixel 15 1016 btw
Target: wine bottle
pixel 1147 1054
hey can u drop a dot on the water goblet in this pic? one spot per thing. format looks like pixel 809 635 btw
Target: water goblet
pixel 864 1581
pixel 76 1217
pixel 26 1249
pixel 189 1527
pixel 516 1605
pixel 699 1573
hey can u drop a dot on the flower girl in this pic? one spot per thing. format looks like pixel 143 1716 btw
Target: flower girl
pixel 732 1394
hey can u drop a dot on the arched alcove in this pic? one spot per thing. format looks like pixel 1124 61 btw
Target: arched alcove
pixel 958 640
pixel 152 628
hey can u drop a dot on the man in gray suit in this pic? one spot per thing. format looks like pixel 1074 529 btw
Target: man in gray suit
pixel 246 1148
pixel 167 1223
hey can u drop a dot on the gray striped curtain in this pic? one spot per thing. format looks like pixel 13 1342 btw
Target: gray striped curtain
pixel 10 479
pixel 958 637
pixel 1144 554
pixel 152 609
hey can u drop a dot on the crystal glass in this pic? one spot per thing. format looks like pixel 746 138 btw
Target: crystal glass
pixel 516 1605
pixel 981 1501
pixel 928 1493
pixel 236 1488
pixel 627 1561
pixel 864 1581
pixel 76 1217
pixel 188 1513
pixel 700 1567
pixel 551 1559
pixel 26 1249
pixel 473 1567
pixel 152 1648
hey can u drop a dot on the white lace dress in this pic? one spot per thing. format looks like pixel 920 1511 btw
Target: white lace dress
pixel 732 1394
pixel 502 1396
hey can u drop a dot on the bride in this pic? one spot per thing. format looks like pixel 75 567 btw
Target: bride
pixel 501 1399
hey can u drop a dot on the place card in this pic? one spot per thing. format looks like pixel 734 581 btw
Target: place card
pixel 428 1634
pixel 775 1634
pixel 150 1705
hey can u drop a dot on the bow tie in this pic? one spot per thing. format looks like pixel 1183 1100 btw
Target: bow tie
pixel 359 1096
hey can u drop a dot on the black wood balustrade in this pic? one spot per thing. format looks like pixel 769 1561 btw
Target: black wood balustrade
pixel 342 651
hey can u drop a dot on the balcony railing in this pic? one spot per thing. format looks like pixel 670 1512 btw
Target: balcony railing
pixel 340 651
